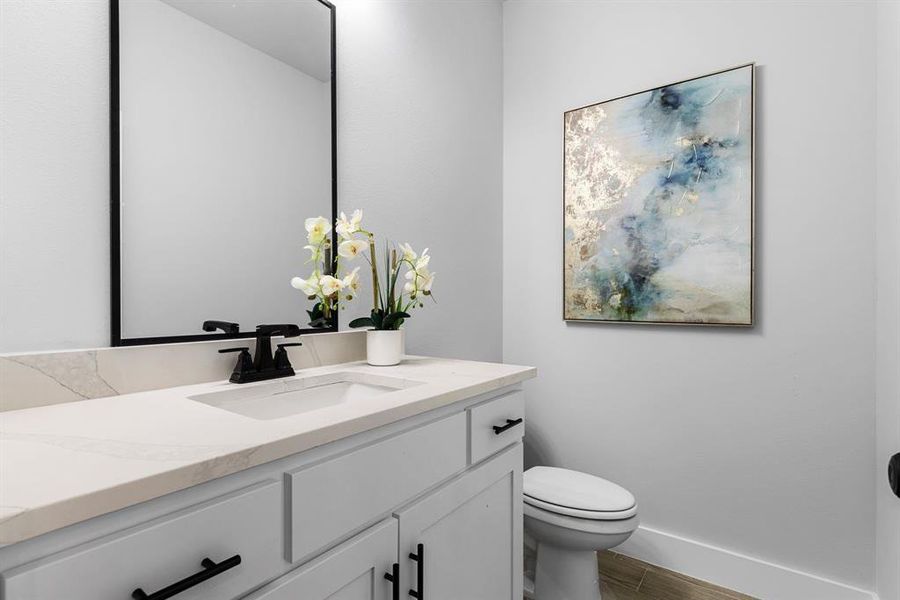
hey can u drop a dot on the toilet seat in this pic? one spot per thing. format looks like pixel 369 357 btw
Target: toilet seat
pixel 575 494
pixel 582 526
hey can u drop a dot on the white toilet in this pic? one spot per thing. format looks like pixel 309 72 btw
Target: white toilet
pixel 572 515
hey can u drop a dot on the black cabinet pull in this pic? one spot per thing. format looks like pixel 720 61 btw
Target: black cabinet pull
pixel 419 557
pixel 894 474
pixel 510 423
pixel 210 570
pixel 394 578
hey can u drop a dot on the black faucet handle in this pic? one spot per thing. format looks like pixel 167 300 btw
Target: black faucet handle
pixel 282 360
pixel 243 366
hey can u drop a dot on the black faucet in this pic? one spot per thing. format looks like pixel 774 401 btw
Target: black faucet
pixel 265 365
pixel 225 326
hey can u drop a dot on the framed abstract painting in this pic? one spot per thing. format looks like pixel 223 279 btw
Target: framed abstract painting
pixel 658 195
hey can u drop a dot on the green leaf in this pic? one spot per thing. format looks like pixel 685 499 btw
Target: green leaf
pixel 394 320
pixel 389 305
pixel 362 322
pixel 377 318
pixel 317 317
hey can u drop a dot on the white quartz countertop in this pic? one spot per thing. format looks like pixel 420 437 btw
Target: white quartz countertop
pixel 68 462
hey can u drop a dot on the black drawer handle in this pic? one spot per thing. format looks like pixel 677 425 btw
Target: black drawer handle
pixel 510 423
pixel 394 578
pixel 419 557
pixel 210 570
pixel 894 474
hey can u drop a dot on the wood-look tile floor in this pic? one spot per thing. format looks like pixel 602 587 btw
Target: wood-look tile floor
pixel 625 578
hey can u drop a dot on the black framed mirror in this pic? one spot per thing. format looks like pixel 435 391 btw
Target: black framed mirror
pixel 222 141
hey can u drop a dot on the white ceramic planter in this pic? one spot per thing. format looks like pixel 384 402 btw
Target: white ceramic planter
pixel 384 348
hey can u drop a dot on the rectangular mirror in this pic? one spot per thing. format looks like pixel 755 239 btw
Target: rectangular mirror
pixel 223 142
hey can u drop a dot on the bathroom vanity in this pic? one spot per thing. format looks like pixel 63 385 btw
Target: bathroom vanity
pixel 343 482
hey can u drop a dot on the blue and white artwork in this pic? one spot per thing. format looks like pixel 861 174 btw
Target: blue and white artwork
pixel 658 205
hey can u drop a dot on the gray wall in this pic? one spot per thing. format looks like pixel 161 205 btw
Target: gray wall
pixel 54 169
pixel 420 150
pixel 419 92
pixel 888 294
pixel 759 441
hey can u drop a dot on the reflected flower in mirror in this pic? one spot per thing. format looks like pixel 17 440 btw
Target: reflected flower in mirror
pixel 326 285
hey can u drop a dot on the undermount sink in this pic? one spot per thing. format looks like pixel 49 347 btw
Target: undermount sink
pixel 295 395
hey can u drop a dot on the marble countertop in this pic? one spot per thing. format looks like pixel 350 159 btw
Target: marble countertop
pixel 69 462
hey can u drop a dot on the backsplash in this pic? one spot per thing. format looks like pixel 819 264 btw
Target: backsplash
pixel 43 378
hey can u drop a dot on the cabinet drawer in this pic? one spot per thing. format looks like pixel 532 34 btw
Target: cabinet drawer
pixel 157 554
pixel 484 440
pixel 332 499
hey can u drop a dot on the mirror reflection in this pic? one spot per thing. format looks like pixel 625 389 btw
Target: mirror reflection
pixel 225 133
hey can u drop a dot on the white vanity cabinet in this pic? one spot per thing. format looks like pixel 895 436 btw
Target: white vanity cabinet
pixel 433 501
pixel 467 536
pixel 463 540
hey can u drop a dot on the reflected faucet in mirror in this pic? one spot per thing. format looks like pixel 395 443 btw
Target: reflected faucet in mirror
pixel 265 365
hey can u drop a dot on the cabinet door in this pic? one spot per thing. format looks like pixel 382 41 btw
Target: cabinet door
pixel 469 534
pixel 353 571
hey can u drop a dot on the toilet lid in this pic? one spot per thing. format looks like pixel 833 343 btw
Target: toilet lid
pixel 572 493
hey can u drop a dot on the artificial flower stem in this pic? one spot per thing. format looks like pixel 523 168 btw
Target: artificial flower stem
pixel 374 272
pixel 393 276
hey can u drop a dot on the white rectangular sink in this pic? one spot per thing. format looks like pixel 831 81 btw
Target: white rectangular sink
pixel 295 395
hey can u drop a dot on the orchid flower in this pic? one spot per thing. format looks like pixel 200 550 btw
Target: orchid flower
pixel 311 287
pixel 317 228
pixel 347 227
pixel 351 282
pixel 351 248
pixel 331 285
pixel 408 253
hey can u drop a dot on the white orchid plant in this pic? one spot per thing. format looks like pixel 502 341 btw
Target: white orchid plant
pixel 391 304
pixel 328 288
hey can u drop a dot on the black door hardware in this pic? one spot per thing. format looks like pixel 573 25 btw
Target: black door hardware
pixel 264 365
pixel 210 570
pixel 510 423
pixel 394 578
pixel 225 326
pixel 894 474
pixel 419 557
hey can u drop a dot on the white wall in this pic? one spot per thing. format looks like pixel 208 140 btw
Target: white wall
pixel 419 92
pixel 217 178
pixel 758 441
pixel 419 149
pixel 54 170
pixel 888 295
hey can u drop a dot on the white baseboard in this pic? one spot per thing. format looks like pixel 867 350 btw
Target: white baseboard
pixel 734 571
